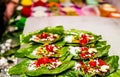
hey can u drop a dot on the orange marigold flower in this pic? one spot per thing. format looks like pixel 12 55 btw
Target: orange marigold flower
pixel 53 4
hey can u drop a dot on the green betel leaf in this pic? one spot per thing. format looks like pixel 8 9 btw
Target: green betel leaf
pixel 115 74
pixel 99 44
pixel 113 63
pixel 79 69
pixel 23 52
pixel 66 65
pixel 24 75
pixel 56 31
pixel 74 36
pixel 37 51
pixel 60 53
pixel 102 51
pixel 89 52
pixel 76 32
pixel 20 68
pixel 25 67
pixel 70 73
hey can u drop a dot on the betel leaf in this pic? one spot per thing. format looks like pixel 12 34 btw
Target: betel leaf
pixel 102 51
pixel 112 61
pixel 96 38
pixel 100 43
pixel 60 43
pixel 24 75
pixel 25 38
pixel 60 53
pixel 97 44
pixel 23 52
pixel 67 57
pixel 115 74
pixel 76 34
pixel 28 52
pixel 70 73
pixel 65 65
pixel 56 29
pixel 22 68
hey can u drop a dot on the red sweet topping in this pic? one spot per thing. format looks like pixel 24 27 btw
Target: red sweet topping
pixel 84 53
pixel 40 61
pixel 84 48
pixel 49 48
pixel 101 62
pixel 92 63
pixel 83 40
pixel 43 35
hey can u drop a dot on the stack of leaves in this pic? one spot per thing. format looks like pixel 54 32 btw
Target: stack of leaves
pixel 55 52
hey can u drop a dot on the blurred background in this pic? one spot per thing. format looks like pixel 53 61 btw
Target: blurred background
pixel 14 13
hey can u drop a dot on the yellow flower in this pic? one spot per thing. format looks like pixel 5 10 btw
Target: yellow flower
pixel 26 2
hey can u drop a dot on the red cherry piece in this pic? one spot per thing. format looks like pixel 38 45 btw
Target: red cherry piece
pixel 83 41
pixel 84 48
pixel 49 48
pixel 52 60
pixel 101 62
pixel 43 35
pixel 40 61
pixel 82 55
pixel 92 63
